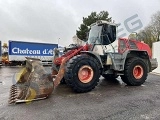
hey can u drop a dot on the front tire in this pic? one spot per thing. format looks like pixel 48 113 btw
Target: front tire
pixel 82 73
pixel 135 72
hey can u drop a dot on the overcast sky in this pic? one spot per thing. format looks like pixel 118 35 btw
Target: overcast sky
pixel 49 20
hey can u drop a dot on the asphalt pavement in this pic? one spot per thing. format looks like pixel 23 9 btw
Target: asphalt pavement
pixel 108 101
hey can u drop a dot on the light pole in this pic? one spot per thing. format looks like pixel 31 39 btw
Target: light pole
pixel 58 40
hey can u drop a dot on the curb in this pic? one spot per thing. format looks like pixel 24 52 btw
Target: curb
pixel 155 73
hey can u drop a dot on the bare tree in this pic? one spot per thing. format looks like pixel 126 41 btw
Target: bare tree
pixel 152 30
pixel 155 24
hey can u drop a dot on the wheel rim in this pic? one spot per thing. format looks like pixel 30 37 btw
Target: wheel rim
pixel 138 71
pixel 85 74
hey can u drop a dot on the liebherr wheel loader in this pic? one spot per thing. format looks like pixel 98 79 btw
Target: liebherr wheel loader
pixel 81 66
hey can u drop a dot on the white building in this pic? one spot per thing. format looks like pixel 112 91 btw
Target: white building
pixel 156 54
pixel 77 41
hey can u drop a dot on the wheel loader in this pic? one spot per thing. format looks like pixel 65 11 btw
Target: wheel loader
pixel 81 66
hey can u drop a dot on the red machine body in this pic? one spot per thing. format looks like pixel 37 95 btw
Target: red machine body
pixel 125 44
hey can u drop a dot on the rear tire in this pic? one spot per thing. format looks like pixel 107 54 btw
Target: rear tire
pixel 82 73
pixel 135 72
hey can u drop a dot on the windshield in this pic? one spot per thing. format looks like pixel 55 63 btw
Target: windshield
pixel 94 35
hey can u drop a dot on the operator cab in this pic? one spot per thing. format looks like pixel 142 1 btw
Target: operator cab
pixel 102 32
pixel 103 36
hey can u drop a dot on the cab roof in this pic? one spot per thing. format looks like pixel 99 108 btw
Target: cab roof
pixel 101 22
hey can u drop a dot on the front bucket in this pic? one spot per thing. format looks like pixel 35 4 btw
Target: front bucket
pixel 33 83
